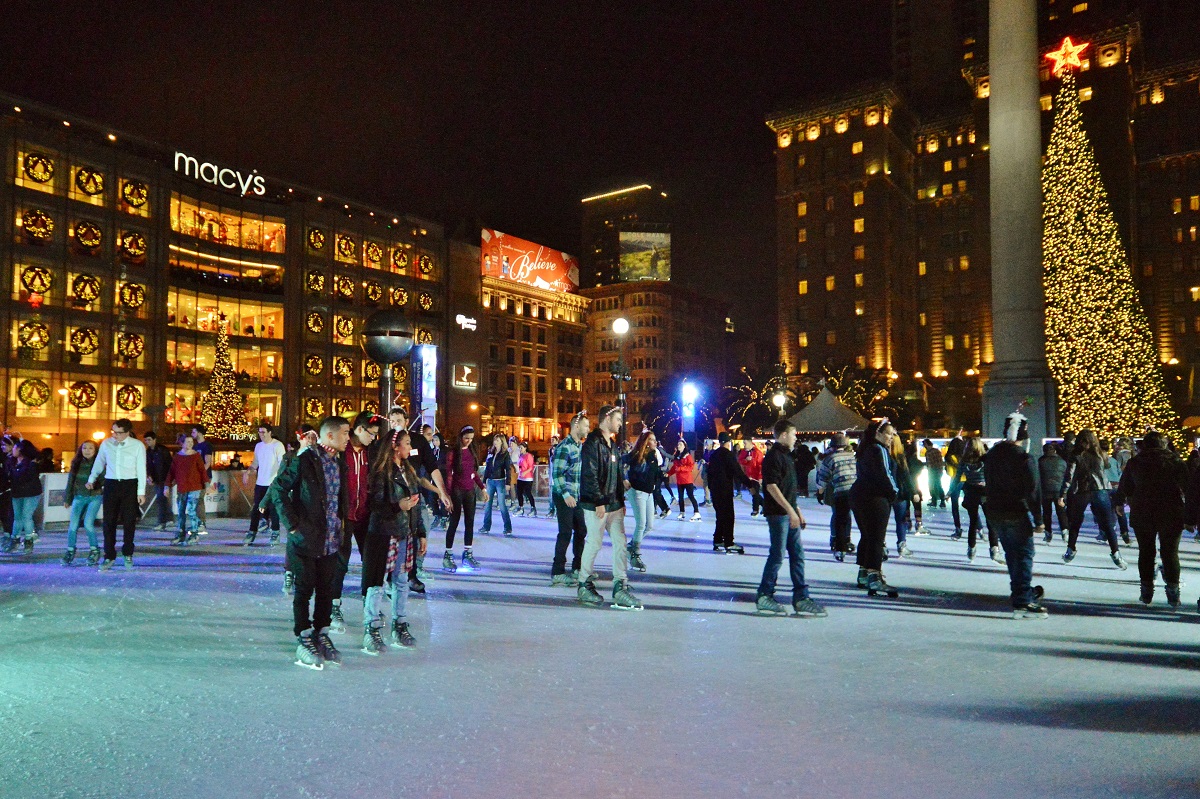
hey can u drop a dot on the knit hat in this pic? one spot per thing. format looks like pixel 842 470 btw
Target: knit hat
pixel 724 438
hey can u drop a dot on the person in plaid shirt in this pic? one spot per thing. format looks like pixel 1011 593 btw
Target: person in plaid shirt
pixel 564 465
pixel 835 476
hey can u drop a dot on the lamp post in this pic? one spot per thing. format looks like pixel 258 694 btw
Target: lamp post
pixel 689 395
pixel 620 326
pixel 779 400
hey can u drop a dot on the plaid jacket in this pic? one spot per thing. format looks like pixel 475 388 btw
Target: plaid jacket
pixel 838 470
pixel 565 464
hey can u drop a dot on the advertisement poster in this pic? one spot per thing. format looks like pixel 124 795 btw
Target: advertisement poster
pixel 645 256
pixel 521 261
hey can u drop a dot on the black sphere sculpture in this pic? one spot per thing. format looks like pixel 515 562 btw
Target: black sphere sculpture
pixel 387 336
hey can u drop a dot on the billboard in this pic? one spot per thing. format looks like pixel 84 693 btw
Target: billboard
pixel 522 261
pixel 645 256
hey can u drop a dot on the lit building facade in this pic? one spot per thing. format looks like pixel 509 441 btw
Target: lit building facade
pixel 641 208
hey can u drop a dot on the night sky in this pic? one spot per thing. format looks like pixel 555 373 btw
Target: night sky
pixel 504 117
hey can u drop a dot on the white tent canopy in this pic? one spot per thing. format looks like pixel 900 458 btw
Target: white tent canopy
pixel 827 414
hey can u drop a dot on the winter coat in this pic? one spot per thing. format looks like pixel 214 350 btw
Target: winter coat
pixel 158 464
pixel 644 476
pixel 498 466
pixel 387 518
pixel 1084 478
pixel 525 468
pixel 873 475
pixel 753 464
pixel 1051 470
pixel 600 483
pixel 682 468
pixel 1012 482
pixel 724 471
pixel 298 495
pixel 26 479
pixel 1154 482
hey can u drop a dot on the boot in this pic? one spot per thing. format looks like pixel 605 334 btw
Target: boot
pixel 1173 595
pixel 422 575
pixel 862 577
pixel 68 556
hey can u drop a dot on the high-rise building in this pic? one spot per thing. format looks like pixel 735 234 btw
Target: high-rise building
pixel 626 236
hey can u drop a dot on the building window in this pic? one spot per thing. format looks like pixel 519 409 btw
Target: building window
pixel 510 381
pixel 541 360
pixel 829 230
pixel 860 225
pixel 804 364
pixel 921 319
pixel 830 283
pixel 948 342
pixel 801 209
pixel 921 268
pixel 510 357
pixel 860 361
pixel 858 280
pixel 860 253
pixel 962 187
pixel 966 342
pixel 947 165
pixel 802 235
pixel 947 189
pixel 858 198
pixel 964 263
pixel 831 337
pixel 1085 93
pixel 1194 202
pixel 526 358
pixel 1079 8
pixel 1046 102
pixel 962 162
pixel 860 308
pixel 828 203
pixel 803 338
pixel 802 288
pixel 856 148
pixel 541 385
pixel 800 161
pixel 1148 269
pixel 1177 205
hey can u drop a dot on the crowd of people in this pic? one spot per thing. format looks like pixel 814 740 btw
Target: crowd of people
pixel 378 486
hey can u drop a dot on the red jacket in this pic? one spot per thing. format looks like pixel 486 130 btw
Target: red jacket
pixel 682 469
pixel 187 473
pixel 752 463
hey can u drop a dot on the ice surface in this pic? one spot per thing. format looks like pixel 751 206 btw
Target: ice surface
pixel 176 680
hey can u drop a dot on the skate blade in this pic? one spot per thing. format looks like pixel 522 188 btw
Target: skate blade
pixel 313 666
pixel 625 607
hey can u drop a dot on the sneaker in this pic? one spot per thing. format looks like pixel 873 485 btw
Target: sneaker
pixel 1119 561
pixel 997 555
pixel 768 604
pixel 902 550
pixel 128 562
pixel 1068 556
pixel 448 563
pixel 695 517
pixel 93 557
pixel 468 560
pixel 1031 611
pixel 249 539
pixel 809 609
pixel 970 554
pixel 588 594
pixel 636 562
pixel 735 549
pixel 106 564
pixel 307 653
pixel 327 650
pixel 337 623
pixel 289 583
pixel 401 637
pixel 623 598
pixel 564 581
pixel 68 556
pixel 372 642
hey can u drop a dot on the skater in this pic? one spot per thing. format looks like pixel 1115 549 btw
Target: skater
pixel 752 466
pixel 969 479
pixel 26 481
pixel 554 442
pixel 835 478
pixel 306 437
pixel 915 467
pixel 805 460
pixel 188 476
pixel 8 446
pixel 701 475
pixel 121 461
pixel 953 460
pixel 497 470
pixel 871 499
pixel 394 520
pixel 723 473
pixel 310 498
pixel 602 496
pixel 268 456
pixel 206 451
pixel 427 461
pixel 905 499
pixel 1112 473
pixel 683 468
pixel 662 504
pixel 935 465
pixel 784 522
pixel 1085 485
pixel 643 475
pixel 1051 470
pixel 84 503
pixel 525 466
pixel 1012 483
pixel 357 458
pixel 461 470
pixel 1155 481
pixel 565 465
pixel 158 466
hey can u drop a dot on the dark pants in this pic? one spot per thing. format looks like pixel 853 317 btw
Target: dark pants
pixel 162 500
pixel 802 481
pixel 1163 526
pixel 313 575
pixel 954 497
pixel 871 515
pixel 525 492
pixel 690 490
pixel 1101 504
pixel 355 532
pixel 937 495
pixel 722 499
pixel 6 512
pixel 756 503
pixel 783 534
pixel 1118 506
pixel 463 500
pixel 972 502
pixel 374 554
pixel 1050 510
pixel 571 532
pixel 839 523
pixel 120 507
pixel 660 502
pixel 1015 532
pixel 256 514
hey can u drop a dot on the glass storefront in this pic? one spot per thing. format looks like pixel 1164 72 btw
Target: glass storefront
pixel 230 227
pixel 197 310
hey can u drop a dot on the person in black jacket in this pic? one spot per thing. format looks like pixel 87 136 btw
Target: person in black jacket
pixel 805 460
pixel 1013 496
pixel 8 456
pixel 1051 470
pixel 602 497
pixel 497 474
pixel 1154 482
pixel 643 475
pixel 871 499
pixel 25 474
pixel 723 472
pixel 158 466
pixel 310 499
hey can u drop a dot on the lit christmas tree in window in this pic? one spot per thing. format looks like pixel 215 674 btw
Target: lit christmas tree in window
pixel 1098 339
pixel 223 411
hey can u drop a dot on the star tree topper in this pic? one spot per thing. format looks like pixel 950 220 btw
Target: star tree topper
pixel 1067 56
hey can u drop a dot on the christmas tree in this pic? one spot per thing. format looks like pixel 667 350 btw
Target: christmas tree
pixel 223 412
pixel 1098 340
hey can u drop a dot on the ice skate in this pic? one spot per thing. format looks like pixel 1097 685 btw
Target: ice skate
pixel 68 557
pixel 249 539
pixel 337 623
pixel 997 555
pixel 289 583
pixel 735 549
pixel 623 598
pixel 128 562
pixel 563 581
pixel 635 561
pixel 401 637
pixel 876 585
pixel 416 586
pixel 106 564
pixel 1119 561
pixel 588 594
pixel 1146 596
pixel 1173 595
pixel 468 560
pixel 809 609
pixel 422 575
pixel 93 557
pixel 1031 611
pixel 695 516
pixel 768 605
pixel 329 653
pixel 970 554
pixel 902 550
pixel 681 517
pixel 448 563
pixel 307 653
pixel 1068 556
pixel 372 641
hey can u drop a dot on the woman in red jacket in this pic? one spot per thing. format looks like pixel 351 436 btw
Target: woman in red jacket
pixel 682 467
pixel 753 469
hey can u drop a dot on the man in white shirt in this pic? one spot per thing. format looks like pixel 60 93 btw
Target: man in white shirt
pixel 122 462
pixel 268 456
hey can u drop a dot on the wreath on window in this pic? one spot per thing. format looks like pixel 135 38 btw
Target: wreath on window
pixel 345 287
pixel 133 245
pixel 86 288
pixel 38 225
pixel 425 299
pixel 314 322
pixel 346 247
pixel 130 345
pixel 85 340
pixel 34 335
pixel 401 374
pixel 132 295
pixel 135 193
pixel 89 181
pixel 343 367
pixel 371 406
pixel 424 336
pixel 314 408
pixel 425 263
pixel 373 291
pixel 314 364
pixel 399 260
pixel 343 326
pixel 345 406
pixel 82 394
pixel 37 279
pixel 88 234
pixel 314 282
pixel 373 253
pixel 400 296
pixel 39 167
pixel 33 392
pixel 316 238
pixel 372 371
pixel 129 397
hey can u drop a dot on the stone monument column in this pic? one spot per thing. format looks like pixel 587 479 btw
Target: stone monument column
pixel 1018 299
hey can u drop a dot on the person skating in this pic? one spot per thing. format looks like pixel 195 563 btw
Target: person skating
pixel 805 460
pixel 525 468
pixel 1014 512
pixel 968 477
pixel 188 476
pixel 1155 481
pixel 310 497
pixel 909 494
pixel 915 467
pixel 750 460
pixel 306 437
pixel 661 504
pixel 784 523
pixel 158 465
pixel 427 460
pixel 1051 470
pixel 121 461
pixel 1084 485
pixel 602 497
pixel 643 475
pixel 357 457
pixel 835 477
pixel 953 460
pixel 497 473
pixel 268 457
pixel 723 472
pixel 871 499
pixel 564 497
pixel 682 469
pixel 25 479
pixel 461 468
pixel 206 451
pixel 394 519
pixel 1112 472
pixel 83 502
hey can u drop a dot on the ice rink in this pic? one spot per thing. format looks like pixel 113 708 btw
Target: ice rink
pixel 176 680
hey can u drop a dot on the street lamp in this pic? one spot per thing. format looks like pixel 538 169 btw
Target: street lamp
pixel 689 394
pixel 620 326
pixel 779 400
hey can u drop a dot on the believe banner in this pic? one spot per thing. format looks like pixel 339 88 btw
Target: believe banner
pixel 521 261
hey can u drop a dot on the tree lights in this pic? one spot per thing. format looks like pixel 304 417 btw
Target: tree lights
pixel 224 409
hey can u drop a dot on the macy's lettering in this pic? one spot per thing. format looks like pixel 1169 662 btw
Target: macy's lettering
pixel 220 176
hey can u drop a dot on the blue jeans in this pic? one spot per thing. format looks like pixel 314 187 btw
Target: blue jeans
pixel 187 510
pixel 84 509
pixel 23 508
pixel 1015 532
pixel 400 584
pixel 496 489
pixel 900 508
pixel 643 516
pixel 782 533
pixel 1102 512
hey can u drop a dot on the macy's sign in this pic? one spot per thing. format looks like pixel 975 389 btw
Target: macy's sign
pixel 220 176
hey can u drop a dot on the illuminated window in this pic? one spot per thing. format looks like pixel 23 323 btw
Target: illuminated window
pixel 966 342
pixel 1046 102
pixel 920 194
pixel 804 367
pixel 1085 93
pixel 962 187
pixel 803 288
pixel 860 253
pixel 1194 202
pixel 921 268
pixel 947 189
pixel 829 283
pixel 983 89
pixel 1079 8
pixel 828 203
pixel 860 308
pixel 803 339
pixel 860 225
pixel 858 198
pixel 800 161
pixel 949 264
pixel 228 226
pixel 1085 64
pixel 801 209
pixel 964 263
pixel 948 342
pixel 1192 232
pixel 948 165
pixel 1157 95
pixel 962 162
pixel 830 337
pixel 858 280
pixel 921 319
pixel 856 148
pixel 967 56
pixel 802 235
pixel 932 145
pixel 1177 205
pixel 1179 235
